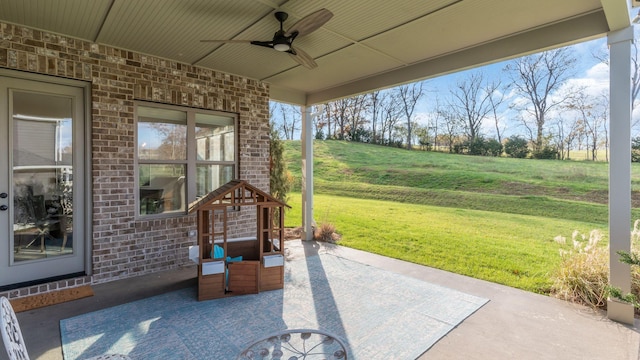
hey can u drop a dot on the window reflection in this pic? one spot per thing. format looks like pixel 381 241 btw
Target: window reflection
pixel 162 141
pixel 162 188
pixel 211 177
pixel 42 176
pixel 166 154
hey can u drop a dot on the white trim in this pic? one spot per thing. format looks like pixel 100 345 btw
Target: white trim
pixel 307 174
pixel 620 169
pixel 239 239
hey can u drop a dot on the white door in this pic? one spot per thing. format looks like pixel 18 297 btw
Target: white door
pixel 42 145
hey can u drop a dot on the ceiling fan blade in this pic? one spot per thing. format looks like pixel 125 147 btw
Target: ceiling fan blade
pixel 302 58
pixel 228 41
pixel 310 23
pixel 268 44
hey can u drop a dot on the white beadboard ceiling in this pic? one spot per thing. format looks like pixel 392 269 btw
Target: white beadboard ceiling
pixel 367 45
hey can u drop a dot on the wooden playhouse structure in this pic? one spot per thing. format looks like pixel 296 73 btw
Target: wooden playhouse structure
pixel 236 266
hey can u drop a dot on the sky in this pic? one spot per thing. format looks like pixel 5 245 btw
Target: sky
pixel 589 73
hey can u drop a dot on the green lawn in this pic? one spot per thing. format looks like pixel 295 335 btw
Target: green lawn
pixel 490 218
pixel 515 250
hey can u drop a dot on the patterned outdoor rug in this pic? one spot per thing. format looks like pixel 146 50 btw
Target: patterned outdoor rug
pixel 378 315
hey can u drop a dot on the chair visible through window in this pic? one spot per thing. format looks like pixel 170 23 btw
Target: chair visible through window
pixel 34 219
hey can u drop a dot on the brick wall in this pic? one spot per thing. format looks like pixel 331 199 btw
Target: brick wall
pixel 122 246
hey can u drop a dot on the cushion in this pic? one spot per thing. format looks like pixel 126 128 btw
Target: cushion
pixel 218 252
pixel 234 259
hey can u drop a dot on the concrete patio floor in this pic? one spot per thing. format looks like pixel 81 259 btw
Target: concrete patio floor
pixel 514 324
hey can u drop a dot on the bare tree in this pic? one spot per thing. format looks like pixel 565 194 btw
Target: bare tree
pixel 530 131
pixel 357 120
pixel 603 106
pixel 560 136
pixel 284 126
pixel 496 99
pixel 376 99
pixel 451 126
pixel 340 113
pixel 589 113
pixel 319 120
pixel 173 141
pixel 326 114
pixel 471 103
pixel 437 118
pixel 274 107
pixel 603 57
pixel 422 134
pixel 537 78
pixel 290 119
pixel 389 117
pixel 568 129
pixel 409 95
pixel 434 121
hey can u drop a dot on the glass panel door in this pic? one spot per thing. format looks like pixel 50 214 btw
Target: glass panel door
pixel 43 138
pixel 42 178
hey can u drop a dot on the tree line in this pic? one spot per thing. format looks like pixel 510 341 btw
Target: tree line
pixel 537 112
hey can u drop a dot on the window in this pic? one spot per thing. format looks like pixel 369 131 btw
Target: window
pixel 182 154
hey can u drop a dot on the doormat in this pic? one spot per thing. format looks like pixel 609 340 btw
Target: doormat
pixel 52 298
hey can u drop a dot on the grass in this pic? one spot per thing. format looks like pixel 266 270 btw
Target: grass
pixel 490 218
pixel 520 204
pixel 353 162
pixel 513 250
pixel 570 190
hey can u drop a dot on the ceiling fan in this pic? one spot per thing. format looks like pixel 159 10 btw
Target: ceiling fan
pixel 283 40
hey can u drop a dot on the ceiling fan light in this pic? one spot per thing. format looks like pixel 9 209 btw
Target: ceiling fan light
pixel 282 47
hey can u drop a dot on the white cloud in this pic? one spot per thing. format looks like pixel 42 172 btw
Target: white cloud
pixel 599 71
pixel 594 83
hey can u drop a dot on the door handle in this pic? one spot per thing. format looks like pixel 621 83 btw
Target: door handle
pixel 4 195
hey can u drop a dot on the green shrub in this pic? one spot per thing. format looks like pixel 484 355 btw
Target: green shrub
pixel 477 146
pixel 516 147
pixel 425 145
pixel 546 153
pixel 280 179
pixel 494 148
pixel 635 149
pixel 460 148
pixel 359 134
